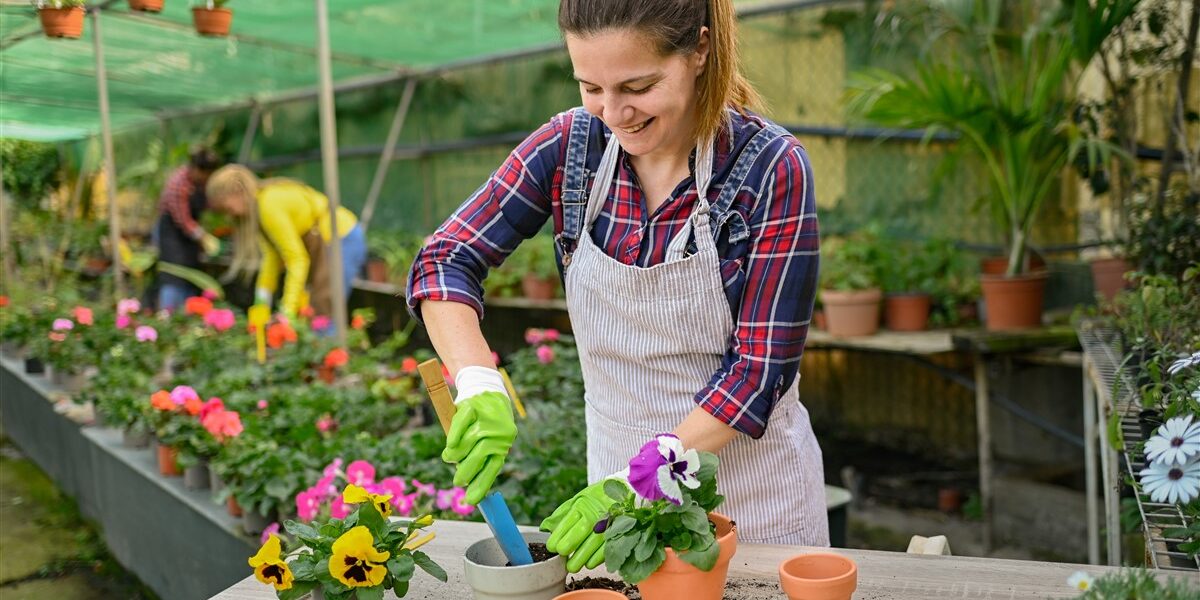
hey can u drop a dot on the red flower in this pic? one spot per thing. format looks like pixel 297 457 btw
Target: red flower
pixel 336 358
pixel 193 406
pixel 161 400
pixel 197 305
pixel 358 322
pixel 408 365
pixel 279 334
pixel 3 301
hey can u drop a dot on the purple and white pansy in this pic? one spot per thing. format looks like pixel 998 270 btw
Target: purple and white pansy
pixel 661 466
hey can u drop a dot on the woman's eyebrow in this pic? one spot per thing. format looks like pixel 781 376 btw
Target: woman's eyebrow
pixel 626 82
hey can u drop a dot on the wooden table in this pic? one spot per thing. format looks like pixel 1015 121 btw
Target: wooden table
pixel 881 575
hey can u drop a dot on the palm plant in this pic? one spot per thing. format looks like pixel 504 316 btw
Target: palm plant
pixel 1007 92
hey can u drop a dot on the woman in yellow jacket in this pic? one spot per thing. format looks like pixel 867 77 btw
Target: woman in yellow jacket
pixel 284 224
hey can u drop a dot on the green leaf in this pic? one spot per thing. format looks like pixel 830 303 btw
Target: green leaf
pixel 646 544
pixel 301 530
pixel 422 560
pixel 369 593
pixel 279 489
pixel 400 589
pixel 303 569
pixel 703 558
pixel 635 571
pixel 401 566
pixel 369 516
pixel 695 519
pixel 616 490
pixel 298 590
pixel 681 541
pixel 620 525
pixel 617 549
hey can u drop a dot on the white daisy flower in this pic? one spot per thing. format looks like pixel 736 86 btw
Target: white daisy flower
pixel 1172 483
pixel 1176 441
pixel 1080 581
pixel 1183 363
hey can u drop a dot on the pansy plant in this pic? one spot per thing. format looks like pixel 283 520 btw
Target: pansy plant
pixel 359 556
pixel 674 490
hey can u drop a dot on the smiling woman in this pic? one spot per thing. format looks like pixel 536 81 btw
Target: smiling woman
pixel 686 234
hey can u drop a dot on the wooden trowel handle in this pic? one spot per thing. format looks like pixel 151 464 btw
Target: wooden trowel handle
pixel 439 392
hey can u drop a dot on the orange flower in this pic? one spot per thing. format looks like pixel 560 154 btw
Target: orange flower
pixel 279 334
pixel 408 365
pixel 307 312
pixel 336 358
pixel 358 322
pixel 162 400
pixel 3 301
pixel 193 405
pixel 197 305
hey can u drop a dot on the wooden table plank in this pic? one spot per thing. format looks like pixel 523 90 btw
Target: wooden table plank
pixel 915 342
pixel 881 575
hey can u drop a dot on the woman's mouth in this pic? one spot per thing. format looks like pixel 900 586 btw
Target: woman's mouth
pixel 637 128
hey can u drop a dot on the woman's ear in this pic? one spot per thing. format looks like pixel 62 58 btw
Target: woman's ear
pixel 700 57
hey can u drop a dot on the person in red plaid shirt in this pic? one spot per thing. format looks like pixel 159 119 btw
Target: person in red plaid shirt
pixel 687 239
pixel 178 234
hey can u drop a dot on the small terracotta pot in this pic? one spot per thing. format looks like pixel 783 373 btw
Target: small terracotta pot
pixel 377 270
pixel 168 461
pixel 1108 276
pixel 998 265
pixel 907 312
pixel 538 288
pixel 852 313
pixel 152 6
pixel 1014 302
pixel 818 576
pixel 678 579
pixel 232 507
pixel 62 22
pixel 949 500
pixel 591 595
pixel 214 21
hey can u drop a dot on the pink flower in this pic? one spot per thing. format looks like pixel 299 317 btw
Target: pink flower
pixel 337 508
pixel 550 335
pixel 404 503
pixel 308 504
pixel 210 294
pixel 123 321
pixel 223 424
pixel 320 323
pixel 325 486
pixel 62 325
pixel 128 306
pixel 360 472
pixel 220 319
pixel 533 336
pixel 262 404
pixel 213 404
pixel 444 498
pixel 424 488
pixel 271 530
pixel 332 468
pixel 394 486
pixel 545 354
pixel 83 315
pixel 325 424
pixel 457 504
pixel 183 393
pixel 145 333
pixel 58 337
pixel 495 357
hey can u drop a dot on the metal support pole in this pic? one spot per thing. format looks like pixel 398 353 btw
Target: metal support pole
pixel 329 163
pixel 984 432
pixel 389 150
pixel 248 138
pixel 110 171
pixel 6 248
pixel 1089 463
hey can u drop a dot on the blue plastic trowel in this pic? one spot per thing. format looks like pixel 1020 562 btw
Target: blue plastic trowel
pixel 494 509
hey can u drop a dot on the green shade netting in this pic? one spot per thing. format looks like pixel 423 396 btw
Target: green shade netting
pixel 158 65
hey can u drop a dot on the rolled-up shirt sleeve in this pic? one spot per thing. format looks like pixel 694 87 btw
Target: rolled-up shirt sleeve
pixel 763 358
pixel 511 206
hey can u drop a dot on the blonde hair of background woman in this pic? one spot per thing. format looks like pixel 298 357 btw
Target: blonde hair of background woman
pixel 236 180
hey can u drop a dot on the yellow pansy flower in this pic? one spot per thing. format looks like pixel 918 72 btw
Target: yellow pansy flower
pixel 269 568
pixel 354 494
pixel 424 521
pixel 355 562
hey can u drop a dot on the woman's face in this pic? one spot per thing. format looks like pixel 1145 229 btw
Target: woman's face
pixel 648 100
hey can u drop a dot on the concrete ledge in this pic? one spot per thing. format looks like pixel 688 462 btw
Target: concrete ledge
pixel 177 541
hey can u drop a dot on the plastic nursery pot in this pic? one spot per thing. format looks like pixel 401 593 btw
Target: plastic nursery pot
pixel 196 477
pixel 818 576
pixel 485 570
pixel 254 522
pixel 678 579
pixel 591 595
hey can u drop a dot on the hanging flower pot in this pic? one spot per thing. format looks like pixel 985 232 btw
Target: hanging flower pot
pixel 679 579
pixel 62 19
pixel 152 6
pixel 1013 302
pixel 818 576
pixel 213 21
pixel 852 313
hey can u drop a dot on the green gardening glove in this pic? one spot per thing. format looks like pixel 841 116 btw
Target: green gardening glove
pixel 480 435
pixel 573 527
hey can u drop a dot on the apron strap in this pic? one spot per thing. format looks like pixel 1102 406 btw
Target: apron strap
pixel 574 195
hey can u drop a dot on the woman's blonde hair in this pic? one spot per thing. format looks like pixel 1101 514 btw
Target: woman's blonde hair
pixel 236 180
pixel 674 25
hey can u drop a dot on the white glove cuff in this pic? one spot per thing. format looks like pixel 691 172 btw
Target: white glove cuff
pixel 472 381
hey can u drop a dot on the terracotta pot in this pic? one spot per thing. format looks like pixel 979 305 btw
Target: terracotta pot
pixel 62 22
pixel 818 576
pixel 949 500
pixel 998 265
pixel 591 595
pixel 377 270
pixel 212 21
pixel 538 288
pixel 819 321
pixel 1014 302
pixel 167 461
pixel 852 313
pixel 146 5
pixel 907 312
pixel 1108 276
pixel 232 507
pixel 678 579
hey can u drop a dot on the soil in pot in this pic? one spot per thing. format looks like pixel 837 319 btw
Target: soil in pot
pixel 539 552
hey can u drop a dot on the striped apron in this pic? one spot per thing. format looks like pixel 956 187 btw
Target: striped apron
pixel 650 338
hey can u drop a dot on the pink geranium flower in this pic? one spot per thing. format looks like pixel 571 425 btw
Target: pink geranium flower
pixel 128 306
pixel 550 335
pixel 444 498
pixel 83 315
pixel 220 319
pixel 404 503
pixel 360 472
pixel 308 504
pixel 262 404
pixel 457 503
pixel 123 321
pixel 223 424
pixel 545 354
pixel 425 488
pixel 210 294
pixel 62 325
pixel 533 336
pixel 337 508
pixel 183 393
pixel 145 333
pixel 326 424
pixel 320 323
pixel 213 404
pixel 271 530
pixel 394 486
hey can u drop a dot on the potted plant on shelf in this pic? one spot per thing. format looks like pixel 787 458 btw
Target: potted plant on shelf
pixel 151 6
pixel 212 19
pixel 907 281
pixel 850 285
pixel 534 260
pixel 1010 95
pixel 358 557
pixel 61 18
pixel 665 537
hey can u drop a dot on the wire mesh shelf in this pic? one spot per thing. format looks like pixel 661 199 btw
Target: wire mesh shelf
pixel 1116 386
